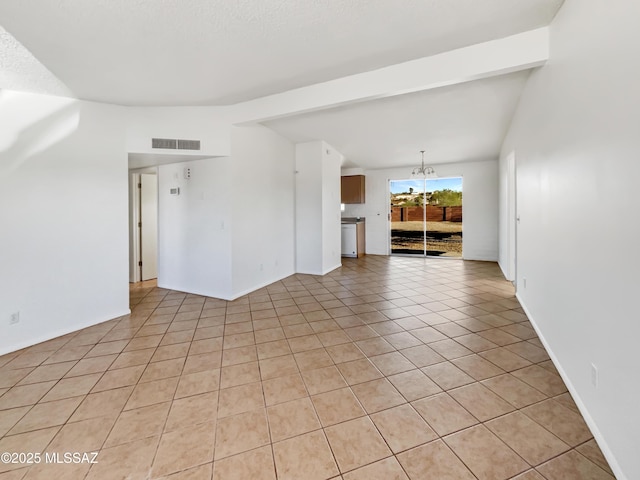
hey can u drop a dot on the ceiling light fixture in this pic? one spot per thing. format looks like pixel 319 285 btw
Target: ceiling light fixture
pixel 424 170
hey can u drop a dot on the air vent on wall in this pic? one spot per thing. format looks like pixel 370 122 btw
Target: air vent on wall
pixel 163 143
pixel 173 144
pixel 188 144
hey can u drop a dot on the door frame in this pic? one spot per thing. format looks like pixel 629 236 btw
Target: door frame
pixel 148 229
pixel 389 245
pixel 134 231
pixel 135 271
pixel 512 217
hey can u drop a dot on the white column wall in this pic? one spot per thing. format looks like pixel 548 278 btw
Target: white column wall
pixel 331 193
pixel 317 181
pixel 308 207
pixel 262 207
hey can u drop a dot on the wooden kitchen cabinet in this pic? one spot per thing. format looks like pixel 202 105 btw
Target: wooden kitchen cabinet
pixel 352 188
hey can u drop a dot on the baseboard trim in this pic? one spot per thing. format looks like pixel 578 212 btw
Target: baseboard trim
pixel 193 291
pixel 504 273
pixel 319 272
pixel 331 269
pixel 480 258
pixel 59 333
pixel 235 296
pixel 597 435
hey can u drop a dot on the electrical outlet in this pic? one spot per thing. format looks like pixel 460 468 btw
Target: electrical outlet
pixel 524 282
pixel 15 318
pixel 261 267
pixel 187 173
pixel 594 375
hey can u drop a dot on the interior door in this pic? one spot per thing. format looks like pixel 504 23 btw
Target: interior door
pixel 149 226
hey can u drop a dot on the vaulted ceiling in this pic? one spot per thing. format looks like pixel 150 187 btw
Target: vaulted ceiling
pixel 458 123
pixel 220 52
pixel 209 52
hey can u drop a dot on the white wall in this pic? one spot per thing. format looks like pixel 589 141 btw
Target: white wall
pixel 194 227
pixel 262 207
pixel 575 134
pixel 63 211
pixel 231 229
pixel 331 196
pixel 479 207
pixel 207 124
pixel 317 208
pixel 308 207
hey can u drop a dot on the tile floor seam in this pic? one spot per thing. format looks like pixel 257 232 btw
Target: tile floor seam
pixel 481 291
pixel 114 423
pixel 164 425
pixel 502 441
pixel 333 455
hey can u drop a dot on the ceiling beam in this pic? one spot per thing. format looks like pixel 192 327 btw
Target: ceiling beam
pixel 497 57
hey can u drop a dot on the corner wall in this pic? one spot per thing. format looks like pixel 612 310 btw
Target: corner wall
pixel 331 197
pixel 63 192
pixel 479 207
pixel 194 227
pixel 575 134
pixel 262 205
pixel 308 207
pixel 317 208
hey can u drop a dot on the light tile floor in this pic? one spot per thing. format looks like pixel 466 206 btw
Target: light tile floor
pixel 388 368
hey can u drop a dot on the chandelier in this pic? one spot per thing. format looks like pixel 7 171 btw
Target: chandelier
pixel 423 169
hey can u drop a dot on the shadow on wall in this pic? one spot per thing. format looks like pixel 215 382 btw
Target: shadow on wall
pixel 26 133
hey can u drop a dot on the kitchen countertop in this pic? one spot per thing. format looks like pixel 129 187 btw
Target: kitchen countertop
pixel 352 220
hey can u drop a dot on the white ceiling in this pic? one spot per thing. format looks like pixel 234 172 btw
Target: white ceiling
pixel 207 52
pixel 463 122
pixel 21 71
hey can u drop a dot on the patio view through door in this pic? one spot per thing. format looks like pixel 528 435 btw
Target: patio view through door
pixel 432 231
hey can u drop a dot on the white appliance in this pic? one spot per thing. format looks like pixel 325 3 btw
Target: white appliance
pixel 349 240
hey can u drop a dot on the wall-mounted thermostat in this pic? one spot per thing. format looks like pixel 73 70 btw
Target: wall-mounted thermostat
pixel 174 191
pixel 187 173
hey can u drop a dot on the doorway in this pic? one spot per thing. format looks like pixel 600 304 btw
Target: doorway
pixel 148 226
pixel 426 217
pixel 143 227
pixel 512 217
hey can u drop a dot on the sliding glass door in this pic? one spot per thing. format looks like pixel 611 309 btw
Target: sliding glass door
pixel 426 217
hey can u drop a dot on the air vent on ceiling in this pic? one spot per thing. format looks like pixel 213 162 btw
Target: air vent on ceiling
pixel 188 144
pixel 173 144
pixel 163 143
